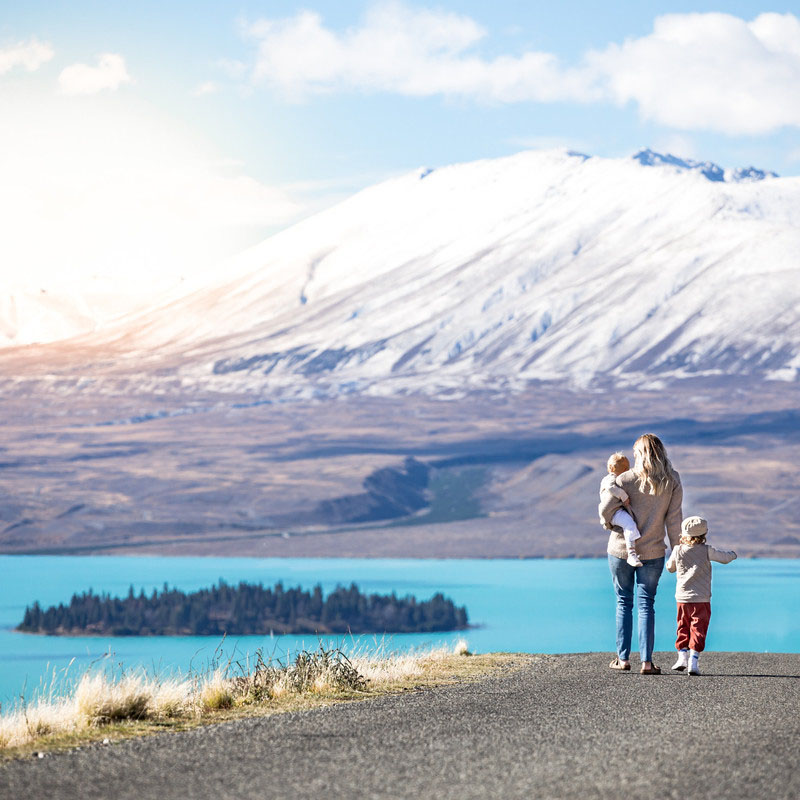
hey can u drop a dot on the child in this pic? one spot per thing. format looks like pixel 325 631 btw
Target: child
pixel 692 559
pixel 617 464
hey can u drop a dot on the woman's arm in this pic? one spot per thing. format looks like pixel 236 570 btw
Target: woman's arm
pixel 618 492
pixel 609 505
pixel 675 513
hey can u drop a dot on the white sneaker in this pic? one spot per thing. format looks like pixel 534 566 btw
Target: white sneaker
pixel 694 668
pixel 682 662
pixel 633 559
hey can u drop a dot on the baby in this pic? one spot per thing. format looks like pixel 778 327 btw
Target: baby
pixel 691 559
pixel 617 464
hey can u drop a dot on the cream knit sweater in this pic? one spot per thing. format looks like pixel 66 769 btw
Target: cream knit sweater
pixel 654 514
pixel 693 565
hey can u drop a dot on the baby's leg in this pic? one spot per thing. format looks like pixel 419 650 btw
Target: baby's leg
pixel 630 531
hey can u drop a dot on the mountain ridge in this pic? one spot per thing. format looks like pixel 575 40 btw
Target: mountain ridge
pixel 546 265
pixel 713 172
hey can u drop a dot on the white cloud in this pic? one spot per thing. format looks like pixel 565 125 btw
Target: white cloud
pixel 30 55
pixel 110 73
pixel 709 71
pixel 408 51
pixel 694 71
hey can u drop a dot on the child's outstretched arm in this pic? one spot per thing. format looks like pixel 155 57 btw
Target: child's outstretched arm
pixel 721 556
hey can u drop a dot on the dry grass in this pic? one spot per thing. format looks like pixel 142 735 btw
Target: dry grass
pixel 135 704
pixel 215 694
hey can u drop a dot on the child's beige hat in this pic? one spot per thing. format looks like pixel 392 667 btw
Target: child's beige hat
pixel 694 526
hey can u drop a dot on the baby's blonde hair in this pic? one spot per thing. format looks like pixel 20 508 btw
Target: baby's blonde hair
pixel 692 540
pixel 618 463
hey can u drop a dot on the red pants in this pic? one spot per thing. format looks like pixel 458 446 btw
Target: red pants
pixel 693 619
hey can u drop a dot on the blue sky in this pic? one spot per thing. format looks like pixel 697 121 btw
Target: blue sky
pixel 276 109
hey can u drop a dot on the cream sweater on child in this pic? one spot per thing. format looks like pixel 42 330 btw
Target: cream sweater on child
pixel 693 565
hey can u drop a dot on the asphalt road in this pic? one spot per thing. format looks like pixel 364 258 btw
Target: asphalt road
pixel 563 727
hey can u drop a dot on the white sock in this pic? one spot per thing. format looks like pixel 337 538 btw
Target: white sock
pixel 694 657
pixel 683 660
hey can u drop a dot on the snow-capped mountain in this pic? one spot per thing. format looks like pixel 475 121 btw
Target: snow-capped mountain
pixel 712 171
pixel 31 313
pixel 543 265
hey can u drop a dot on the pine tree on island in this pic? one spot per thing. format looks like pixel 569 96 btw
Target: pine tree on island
pixel 246 609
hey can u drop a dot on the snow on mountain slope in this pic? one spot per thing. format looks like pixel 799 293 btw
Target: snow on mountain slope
pixel 31 313
pixel 543 265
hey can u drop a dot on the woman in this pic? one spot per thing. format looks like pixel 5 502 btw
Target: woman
pixel 655 493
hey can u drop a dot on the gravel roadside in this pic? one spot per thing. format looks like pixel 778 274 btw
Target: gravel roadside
pixel 562 727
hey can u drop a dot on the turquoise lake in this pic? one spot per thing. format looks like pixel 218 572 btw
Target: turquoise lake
pixel 545 606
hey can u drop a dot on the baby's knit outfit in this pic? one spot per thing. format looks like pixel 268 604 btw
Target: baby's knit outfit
pixel 621 517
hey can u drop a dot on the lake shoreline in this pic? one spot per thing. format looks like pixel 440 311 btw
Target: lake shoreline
pixel 113 551
pixel 516 605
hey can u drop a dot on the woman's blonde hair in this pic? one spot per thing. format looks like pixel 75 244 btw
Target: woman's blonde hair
pixel 692 540
pixel 653 468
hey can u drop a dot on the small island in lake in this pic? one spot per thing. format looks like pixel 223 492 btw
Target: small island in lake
pixel 246 609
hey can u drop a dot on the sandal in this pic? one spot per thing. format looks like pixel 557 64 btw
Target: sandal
pixel 618 665
pixel 652 670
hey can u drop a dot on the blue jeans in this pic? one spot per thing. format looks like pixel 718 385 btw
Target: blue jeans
pixel 624 575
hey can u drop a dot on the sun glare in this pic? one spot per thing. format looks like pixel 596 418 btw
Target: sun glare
pixel 105 197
